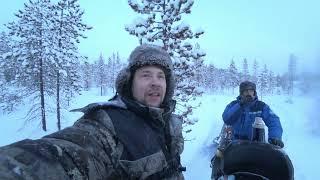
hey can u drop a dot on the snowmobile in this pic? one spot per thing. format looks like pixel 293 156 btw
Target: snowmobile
pixel 249 159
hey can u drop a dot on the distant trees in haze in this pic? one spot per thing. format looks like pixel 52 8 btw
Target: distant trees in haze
pixel 224 80
pixel 292 73
pixel 104 72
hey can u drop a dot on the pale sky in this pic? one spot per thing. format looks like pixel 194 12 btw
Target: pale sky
pixel 266 30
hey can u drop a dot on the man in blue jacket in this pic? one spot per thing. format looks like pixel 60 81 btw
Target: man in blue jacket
pixel 241 113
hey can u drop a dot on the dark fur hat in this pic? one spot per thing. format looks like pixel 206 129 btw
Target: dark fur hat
pixel 245 85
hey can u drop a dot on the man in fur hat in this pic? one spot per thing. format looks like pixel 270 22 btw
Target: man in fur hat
pixel 132 136
pixel 241 113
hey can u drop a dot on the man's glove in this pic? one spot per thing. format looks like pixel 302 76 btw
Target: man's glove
pixel 276 142
pixel 243 101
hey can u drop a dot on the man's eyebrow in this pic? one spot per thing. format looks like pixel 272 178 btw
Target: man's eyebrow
pixel 145 71
pixel 148 71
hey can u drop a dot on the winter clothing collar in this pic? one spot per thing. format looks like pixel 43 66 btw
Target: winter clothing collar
pixel 158 116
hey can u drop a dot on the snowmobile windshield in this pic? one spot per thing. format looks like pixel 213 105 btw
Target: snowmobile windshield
pixel 243 176
pixel 248 176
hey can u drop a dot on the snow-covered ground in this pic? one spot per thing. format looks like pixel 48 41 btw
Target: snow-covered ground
pixel 300 121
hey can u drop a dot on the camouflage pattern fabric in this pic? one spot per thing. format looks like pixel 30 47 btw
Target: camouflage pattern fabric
pixel 88 150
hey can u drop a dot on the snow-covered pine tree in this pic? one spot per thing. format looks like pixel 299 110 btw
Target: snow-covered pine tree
pixel 198 72
pixel 72 85
pixel 112 69
pixel 255 71
pixel 87 75
pixel 278 84
pixel 284 82
pixel 245 70
pixel 6 71
pixel 210 77
pixel 109 72
pixel 100 74
pixel 233 76
pixel 8 99
pixel 263 81
pixel 271 82
pixel 41 45
pixel 31 52
pixel 222 76
pixel 292 70
pixel 67 28
pixel 4 43
pixel 161 24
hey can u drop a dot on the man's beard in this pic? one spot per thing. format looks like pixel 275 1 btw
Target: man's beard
pixel 249 98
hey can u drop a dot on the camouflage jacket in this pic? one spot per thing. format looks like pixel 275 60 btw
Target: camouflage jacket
pixel 113 140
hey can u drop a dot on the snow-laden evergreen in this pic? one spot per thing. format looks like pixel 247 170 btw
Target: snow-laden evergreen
pixel 233 78
pixel 114 65
pixel 262 84
pixel 160 22
pixel 245 70
pixel 255 71
pixel 44 57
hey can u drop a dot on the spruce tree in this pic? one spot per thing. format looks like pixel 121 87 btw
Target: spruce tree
pixel 271 82
pixel 263 81
pixel 233 76
pixel 45 52
pixel 161 24
pixel 113 67
pixel 255 71
pixel 8 98
pixel 245 71
pixel 101 74
pixel 292 69
pixel 87 75
pixel 278 84
pixel 68 28
pixel 32 52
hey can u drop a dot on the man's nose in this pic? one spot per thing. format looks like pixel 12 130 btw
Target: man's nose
pixel 155 81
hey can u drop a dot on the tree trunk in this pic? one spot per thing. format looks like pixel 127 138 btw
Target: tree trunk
pixel 58 77
pixel 58 101
pixel 41 85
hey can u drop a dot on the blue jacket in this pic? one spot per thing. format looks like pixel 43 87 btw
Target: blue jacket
pixel 241 118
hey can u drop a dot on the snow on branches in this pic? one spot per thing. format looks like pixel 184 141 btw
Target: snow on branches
pixel 161 23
